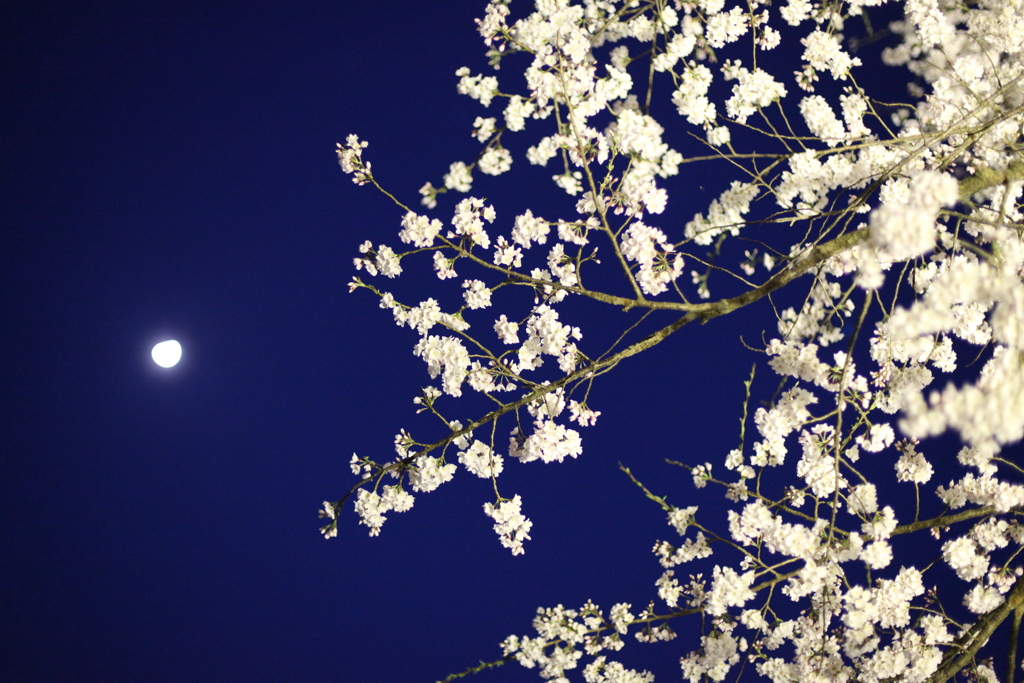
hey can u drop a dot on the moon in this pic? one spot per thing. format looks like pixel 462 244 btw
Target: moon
pixel 166 354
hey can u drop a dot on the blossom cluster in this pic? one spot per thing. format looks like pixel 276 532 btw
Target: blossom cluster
pixel 907 224
pixel 454 360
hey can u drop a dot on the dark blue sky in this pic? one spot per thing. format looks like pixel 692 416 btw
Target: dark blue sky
pixel 169 171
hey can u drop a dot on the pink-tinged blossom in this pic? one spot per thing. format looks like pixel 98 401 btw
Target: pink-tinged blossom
pixel 669 589
pixel 822 52
pixel 445 355
pixel 507 331
pixel 798 360
pixel 696 548
pixel 541 153
pixel 912 466
pixel 428 195
pixel 371 507
pixel 483 128
pixel 904 226
pixel 443 266
pixel 482 88
pixel 419 231
pixel 529 229
pixel 679 47
pixel 548 406
pixel 747 527
pixel 516 112
pixel 776 424
pixel 582 415
pixel 930 22
pixel 360 466
pixel 962 555
pixel 570 182
pixel 979 458
pixel 546 336
pixel 987 414
pixel 726 27
pixel 877 555
pixel 680 518
pixel 725 215
pixel 691 97
pixel 650 249
pixel 796 11
pixel 902 232
pixel 350 158
pixel 991 534
pixel 983 599
pixel 480 460
pixel 458 177
pixel 753 90
pixel 718 654
pixel 878 437
pixel 510 524
pixel 506 254
pixel 636 133
pixel 423 317
pixel 492 27
pixel 383 260
pixel 428 473
pixel 729 589
pixel 821 120
pixel 495 161
pixel 701 474
pixel 817 466
pixel 863 499
pixel 370 511
pixel 476 294
pixel 881 525
pixel 549 442
pixel 603 671
pixel 470 214
pixel 330 512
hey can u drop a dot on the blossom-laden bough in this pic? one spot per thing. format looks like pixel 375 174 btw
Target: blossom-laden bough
pixel 902 225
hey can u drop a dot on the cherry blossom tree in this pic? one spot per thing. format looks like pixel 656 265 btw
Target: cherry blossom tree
pixel 896 229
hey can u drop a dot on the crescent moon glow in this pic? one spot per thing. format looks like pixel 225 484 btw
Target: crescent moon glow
pixel 166 354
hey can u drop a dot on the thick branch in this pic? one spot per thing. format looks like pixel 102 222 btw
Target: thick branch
pixel 989 177
pixel 944 520
pixel 806 261
pixel 976 637
pixel 1011 653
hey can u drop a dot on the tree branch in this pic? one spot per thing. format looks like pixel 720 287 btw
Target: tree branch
pixel 989 177
pixel 978 635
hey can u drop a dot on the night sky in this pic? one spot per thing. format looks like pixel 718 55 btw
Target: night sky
pixel 169 172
